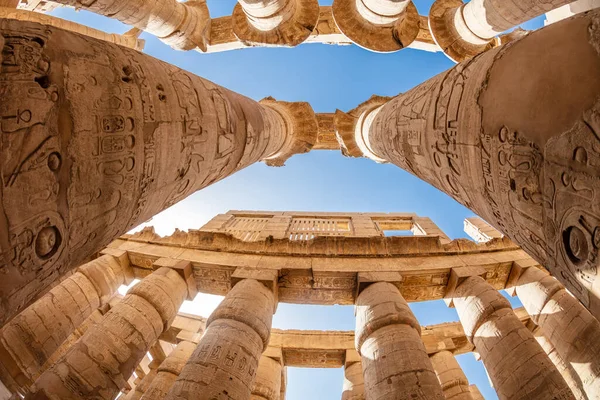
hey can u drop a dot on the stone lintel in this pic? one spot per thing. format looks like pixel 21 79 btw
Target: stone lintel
pixel 458 276
pixel 184 269
pixel 518 268
pixel 365 279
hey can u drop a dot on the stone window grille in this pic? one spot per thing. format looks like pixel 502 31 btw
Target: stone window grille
pixel 309 228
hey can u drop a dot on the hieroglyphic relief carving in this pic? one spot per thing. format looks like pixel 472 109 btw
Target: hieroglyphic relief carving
pixel 97 138
pixel 535 182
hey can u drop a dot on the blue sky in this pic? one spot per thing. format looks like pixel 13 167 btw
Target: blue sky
pixel 328 77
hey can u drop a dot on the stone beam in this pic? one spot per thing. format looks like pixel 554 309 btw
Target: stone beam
pixel 88 155
pixel 129 39
pixel 508 136
pixel 328 349
pixel 325 270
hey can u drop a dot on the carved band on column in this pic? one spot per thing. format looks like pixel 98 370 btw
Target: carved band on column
pixel 388 338
pixel 226 359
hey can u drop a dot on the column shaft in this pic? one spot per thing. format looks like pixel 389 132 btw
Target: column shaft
pixel 506 135
pixel 267 384
pixel 168 371
pixel 517 365
pixel 30 339
pixel 388 338
pixel 451 376
pixel 90 154
pixel 565 369
pixel 354 383
pixel 226 359
pixel 183 26
pixel 567 324
pixel 100 363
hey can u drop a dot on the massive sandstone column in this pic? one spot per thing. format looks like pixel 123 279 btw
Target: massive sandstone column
pixel 183 26
pixel 226 359
pixel 514 135
pixel 565 369
pixel 567 324
pixel 30 339
pixel 354 383
pixel 517 365
pixel 100 363
pixel 168 371
pixel 267 385
pixel 388 338
pixel 465 30
pixel 96 139
pixel 378 25
pixel 274 22
pixel 451 376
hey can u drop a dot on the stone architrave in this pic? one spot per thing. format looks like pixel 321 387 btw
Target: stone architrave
pixel 128 39
pixel 451 376
pixel 89 154
pixel 274 22
pixel 168 371
pixel 100 363
pixel 267 385
pixel 354 383
pixel 183 26
pixel 565 369
pixel 378 25
pixel 514 135
pixel 517 365
pixel 30 339
pixel 465 30
pixel 227 357
pixel 388 337
pixel 566 323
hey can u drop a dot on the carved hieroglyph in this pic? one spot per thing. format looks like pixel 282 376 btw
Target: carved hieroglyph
pixel 515 136
pixel 465 30
pixel 100 363
pixel 226 359
pixel 183 26
pixel 96 138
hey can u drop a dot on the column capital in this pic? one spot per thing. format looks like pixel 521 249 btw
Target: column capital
pixel 457 277
pixel 184 269
pixel 378 25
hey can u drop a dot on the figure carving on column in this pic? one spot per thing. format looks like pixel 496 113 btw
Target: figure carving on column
pixel 465 30
pixel 378 25
pixel 100 363
pixel 275 22
pixel 514 135
pixel 226 359
pixel 88 155
pixel 388 337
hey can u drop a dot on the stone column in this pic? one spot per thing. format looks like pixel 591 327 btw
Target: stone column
pixel 566 11
pixel 476 393
pixel 267 385
pixel 514 136
pixel 283 389
pixel 183 26
pixel 227 356
pixel 354 383
pixel 378 25
pixel 567 324
pixel 30 339
pixel 88 155
pixel 517 365
pixel 451 376
pixel 465 30
pixel 274 22
pixel 100 363
pixel 168 371
pixel 388 337
pixel 565 369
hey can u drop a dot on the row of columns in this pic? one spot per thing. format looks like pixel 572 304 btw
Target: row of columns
pixel 461 30
pixel 557 360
